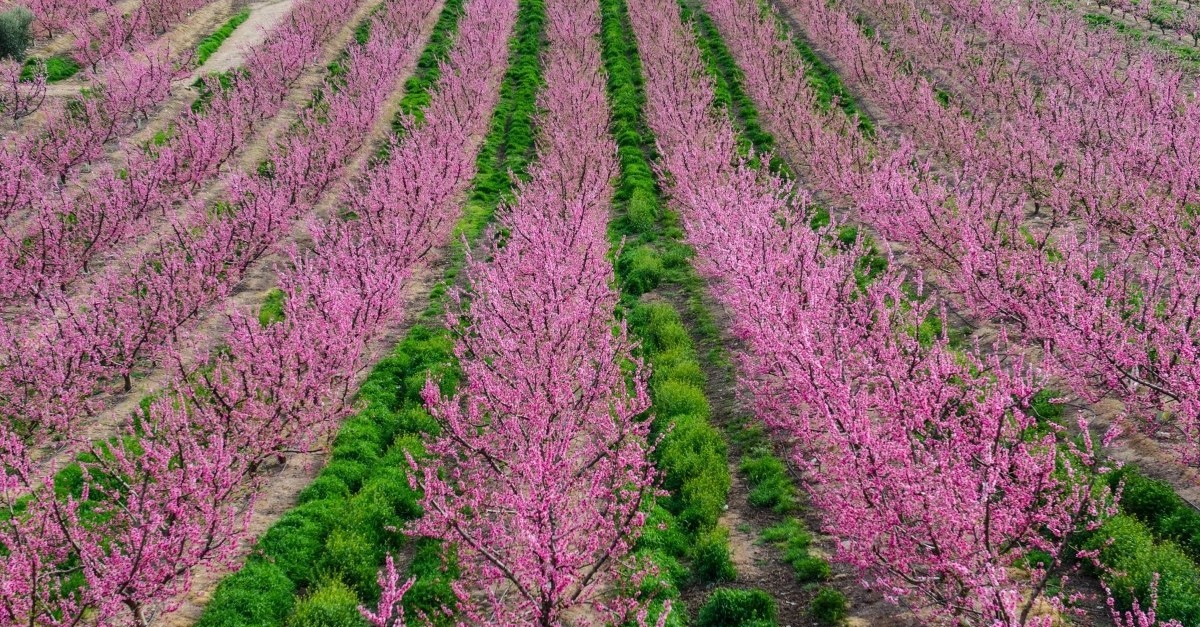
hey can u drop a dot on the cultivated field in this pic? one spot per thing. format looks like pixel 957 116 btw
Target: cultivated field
pixel 339 313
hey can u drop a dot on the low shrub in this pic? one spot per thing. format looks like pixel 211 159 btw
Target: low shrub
pixel 1157 505
pixel 14 32
pixel 660 328
pixel 770 485
pixel 829 606
pixel 1129 553
pixel 643 210
pixel 295 543
pixel 271 310
pixel 730 607
pixel 795 541
pixel 330 605
pixel 810 569
pixel 641 270
pixel 56 68
pixel 692 459
pixel 711 562
pixel 354 556
pixel 674 397
pixel 259 594
pixel 325 488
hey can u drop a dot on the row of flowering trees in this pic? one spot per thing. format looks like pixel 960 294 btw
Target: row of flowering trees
pixel 117 536
pixel 540 471
pixel 58 222
pixel 58 358
pixel 1031 212
pixel 103 35
pixel 926 462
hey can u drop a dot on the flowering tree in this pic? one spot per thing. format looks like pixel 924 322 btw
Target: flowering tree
pixel 540 471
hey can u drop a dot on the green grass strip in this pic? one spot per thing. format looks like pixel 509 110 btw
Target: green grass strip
pixel 58 68
pixel 418 87
pixel 681 537
pixel 213 42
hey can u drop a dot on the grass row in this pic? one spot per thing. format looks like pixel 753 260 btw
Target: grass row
pixel 318 563
pixel 682 537
pixel 209 45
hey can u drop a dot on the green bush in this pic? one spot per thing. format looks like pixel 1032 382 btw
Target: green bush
pixel 678 365
pixel 675 398
pixel 272 308
pixel 258 594
pixel 331 605
pixel 355 557
pixel 325 487
pixel 829 606
pixel 351 472
pixel 641 270
pixel 1133 557
pixel 660 328
pixel 810 569
pixel 643 210
pixel 56 68
pixel 676 255
pixel 1157 505
pixel 295 543
pixel 796 540
pixel 711 561
pixel 770 485
pixel 692 459
pixel 14 32
pixel 435 570
pixel 729 607
pixel 663 533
